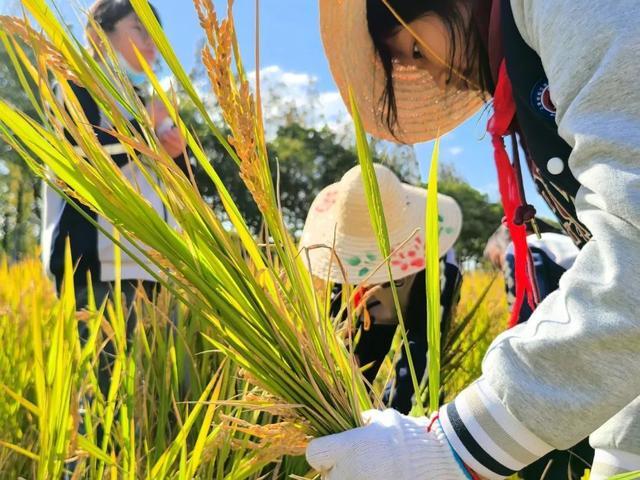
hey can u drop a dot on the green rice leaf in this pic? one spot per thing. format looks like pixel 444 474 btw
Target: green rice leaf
pixel 376 214
pixel 433 281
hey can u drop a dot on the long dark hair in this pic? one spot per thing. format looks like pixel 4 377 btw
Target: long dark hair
pixel 106 13
pixel 383 25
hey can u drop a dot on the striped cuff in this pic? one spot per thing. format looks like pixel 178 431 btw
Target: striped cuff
pixel 486 436
pixel 607 463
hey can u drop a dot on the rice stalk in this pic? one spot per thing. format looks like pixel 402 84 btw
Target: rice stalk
pixel 378 222
pixel 273 316
pixel 433 281
pixel 626 476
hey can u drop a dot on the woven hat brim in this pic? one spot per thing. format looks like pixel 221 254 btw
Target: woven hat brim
pixel 424 110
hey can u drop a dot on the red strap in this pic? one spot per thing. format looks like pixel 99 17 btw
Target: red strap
pixel 474 475
pixel 494 41
pixel 500 125
pixel 504 107
pixel 359 295
pixel 487 15
pixel 434 419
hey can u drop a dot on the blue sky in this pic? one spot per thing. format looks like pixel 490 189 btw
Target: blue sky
pixel 291 51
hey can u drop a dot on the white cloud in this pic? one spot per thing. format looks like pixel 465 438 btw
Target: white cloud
pixel 273 76
pixel 332 112
pixel 284 92
pixel 455 150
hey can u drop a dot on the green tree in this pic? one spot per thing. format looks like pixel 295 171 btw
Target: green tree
pixel 480 216
pixel 19 189
pixel 306 158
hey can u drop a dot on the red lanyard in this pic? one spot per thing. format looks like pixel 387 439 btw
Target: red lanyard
pixel 511 193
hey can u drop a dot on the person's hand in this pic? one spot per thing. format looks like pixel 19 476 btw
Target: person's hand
pixel 495 255
pixel 496 246
pixel 390 447
pixel 157 111
pixel 172 141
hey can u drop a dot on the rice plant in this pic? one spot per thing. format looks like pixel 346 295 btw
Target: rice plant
pixel 626 476
pixel 25 298
pixel 170 345
pixel 265 314
pixel 481 315
pixel 162 418
pixel 279 370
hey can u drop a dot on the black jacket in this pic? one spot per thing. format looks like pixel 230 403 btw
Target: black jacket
pixel 90 250
pixel 547 153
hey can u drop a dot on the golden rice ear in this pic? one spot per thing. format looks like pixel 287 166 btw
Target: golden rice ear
pixel 264 312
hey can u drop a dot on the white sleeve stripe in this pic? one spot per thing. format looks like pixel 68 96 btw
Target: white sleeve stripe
pixel 488 444
pixel 508 422
pixel 619 459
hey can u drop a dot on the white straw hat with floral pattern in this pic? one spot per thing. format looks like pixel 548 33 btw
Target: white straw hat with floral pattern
pixel 424 109
pixel 339 220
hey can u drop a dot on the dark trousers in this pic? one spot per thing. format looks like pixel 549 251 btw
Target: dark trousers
pixel 561 464
pixel 101 291
pixel 372 349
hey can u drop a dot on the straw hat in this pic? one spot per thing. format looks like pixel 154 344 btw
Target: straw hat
pixel 424 110
pixel 339 218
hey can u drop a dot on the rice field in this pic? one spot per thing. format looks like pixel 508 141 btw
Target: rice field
pixel 175 410
pixel 233 386
pixel 236 363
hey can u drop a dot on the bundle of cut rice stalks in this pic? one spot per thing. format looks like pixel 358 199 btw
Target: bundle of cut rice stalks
pixel 267 313
pixel 269 321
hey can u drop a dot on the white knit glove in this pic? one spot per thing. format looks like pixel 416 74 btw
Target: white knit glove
pixel 390 447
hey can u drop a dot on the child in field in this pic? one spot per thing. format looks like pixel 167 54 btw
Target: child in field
pixel 91 251
pixel 341 209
